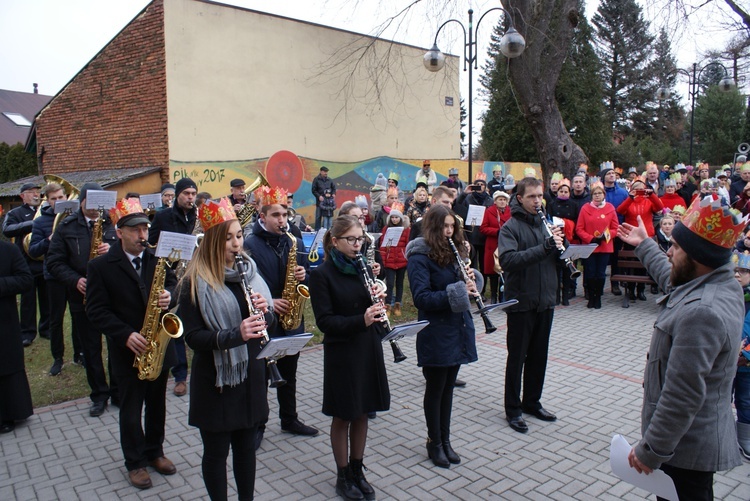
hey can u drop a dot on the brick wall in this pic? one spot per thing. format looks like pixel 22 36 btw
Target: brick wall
pixel 113 114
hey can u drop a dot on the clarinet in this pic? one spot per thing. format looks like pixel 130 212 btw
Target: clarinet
pixel 488 327
pixel 574 273
pixel 371 284
pixel 273 369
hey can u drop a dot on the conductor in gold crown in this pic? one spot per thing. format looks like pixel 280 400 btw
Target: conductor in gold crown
pixel 117 300
pixel 282 263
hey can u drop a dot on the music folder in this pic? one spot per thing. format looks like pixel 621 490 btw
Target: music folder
pixel 578 251
pixel 280 347
pixel 406 330
pixel 502 306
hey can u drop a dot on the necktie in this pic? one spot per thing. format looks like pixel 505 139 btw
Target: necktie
pixel 137 263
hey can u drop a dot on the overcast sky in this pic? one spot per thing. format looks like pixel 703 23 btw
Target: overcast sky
pixel 49 41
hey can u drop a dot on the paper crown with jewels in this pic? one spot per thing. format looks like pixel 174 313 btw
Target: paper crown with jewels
pixel 741 260
pixel 265 195
pixel 212 213
pixel 128 211
pixel 481 176
pixel 605 166
pixel 672 180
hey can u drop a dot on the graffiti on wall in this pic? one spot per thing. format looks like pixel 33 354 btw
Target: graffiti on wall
pixel 296 174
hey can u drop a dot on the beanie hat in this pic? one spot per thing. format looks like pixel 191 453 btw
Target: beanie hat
pixel 183 184
pixel 89 186
pixel 167 186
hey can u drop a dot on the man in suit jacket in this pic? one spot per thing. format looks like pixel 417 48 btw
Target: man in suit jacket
pixel 118 289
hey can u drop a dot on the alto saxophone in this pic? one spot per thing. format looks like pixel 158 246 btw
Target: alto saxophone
pixel 158 329
pixel 294 292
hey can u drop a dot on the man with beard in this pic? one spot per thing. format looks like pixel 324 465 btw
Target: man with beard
pixel 687 421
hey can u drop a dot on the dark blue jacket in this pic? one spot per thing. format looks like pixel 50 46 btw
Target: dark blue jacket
pixel 616 195
pixel 41 229
pixel 17 225
pixel 270 252
pixel 449 340
pixel 172 219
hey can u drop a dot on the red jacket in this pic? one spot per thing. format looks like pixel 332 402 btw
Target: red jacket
pixel 593 221
pixel 671 201
pixel 394 256
pixel 645 207
pixel 490 227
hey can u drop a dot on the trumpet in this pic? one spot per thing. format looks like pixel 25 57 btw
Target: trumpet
pixel 372 284
pixel 574 273
pixel 273 369
pixel 488 326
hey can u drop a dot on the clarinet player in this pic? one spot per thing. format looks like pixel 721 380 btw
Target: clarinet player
pixel 529 258
pixel 228 389
pixel 354 377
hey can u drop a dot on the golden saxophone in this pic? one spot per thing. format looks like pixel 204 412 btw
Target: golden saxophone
pixel 294 292
pixel 158 329
pixel 97 235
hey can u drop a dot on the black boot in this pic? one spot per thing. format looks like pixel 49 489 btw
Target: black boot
pixel 616 289
pixel 565 297
pixel 557 296
pixel 590 292
pixel 641 292
pixel 493 299
pixel 345 486
pixel 437 454
pixel 453 458
pixel 599 288
pixel 359 478
pixel 631 292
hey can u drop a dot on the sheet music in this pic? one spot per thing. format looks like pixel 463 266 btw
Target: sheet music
pixel 69 206
pixel 657 482
pixel 475 215
pixel 100 199
pixel 578 251
pixel 392 236
pixel 151 202
pixel 282 346
pixel 406 330
pixel 183 244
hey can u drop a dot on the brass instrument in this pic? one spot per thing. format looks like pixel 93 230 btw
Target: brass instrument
pixel 463 267
pixel 574 273
pixel 158 329
pixel 97 235
pixel 273 369
pixel 72 193
pixel 246 213
pixel 294 292
pixel 372 284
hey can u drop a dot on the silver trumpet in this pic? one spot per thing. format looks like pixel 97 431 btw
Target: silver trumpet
pixel 574 273
pixel 372 284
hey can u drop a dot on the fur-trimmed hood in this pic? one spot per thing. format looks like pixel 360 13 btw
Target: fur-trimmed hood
pixel 417 246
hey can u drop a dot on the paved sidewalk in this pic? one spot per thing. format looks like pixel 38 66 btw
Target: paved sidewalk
pixel 593 384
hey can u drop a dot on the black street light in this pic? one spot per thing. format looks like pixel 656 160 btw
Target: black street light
pixel 511 45
pixel 726 84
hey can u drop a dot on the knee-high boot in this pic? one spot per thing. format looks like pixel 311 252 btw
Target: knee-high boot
pixel 591 289
pixel 599 285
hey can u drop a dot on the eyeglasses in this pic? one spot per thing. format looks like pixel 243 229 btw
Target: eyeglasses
pixel 741 271
pixel 354 240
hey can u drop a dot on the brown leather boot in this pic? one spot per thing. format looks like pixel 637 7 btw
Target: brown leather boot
pixel 140 478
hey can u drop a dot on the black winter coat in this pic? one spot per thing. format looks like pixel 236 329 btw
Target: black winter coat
pixel 41 229
pixel 529 260
pixel 15 278
pixel 116 301
pixel 228 408
pixel 271 253
pixel 172 219
pixel 320 185
pixel 68 254
pixel 17 224
pixel 567 209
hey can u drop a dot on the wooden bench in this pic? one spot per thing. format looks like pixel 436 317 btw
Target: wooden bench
pixel 627 260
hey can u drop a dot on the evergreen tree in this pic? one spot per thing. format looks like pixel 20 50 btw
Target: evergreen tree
pixel 15 162
pixel 624 48
pixel 719 122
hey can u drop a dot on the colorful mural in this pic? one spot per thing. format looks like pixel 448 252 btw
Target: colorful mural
pixel 296 174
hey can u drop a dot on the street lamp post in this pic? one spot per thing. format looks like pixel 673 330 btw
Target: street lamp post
pixel 726 84
pixel 512 45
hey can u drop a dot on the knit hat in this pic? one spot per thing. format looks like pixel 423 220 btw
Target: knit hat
pixel 89 186
pixel 166 187
pixel 397 210
pixel 708 232
pixel 183 184
pixel 510 182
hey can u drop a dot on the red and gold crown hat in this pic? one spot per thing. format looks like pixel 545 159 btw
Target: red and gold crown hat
pixel 128 212
pixel 708 231
pixel 213 213
pixel 481 176
pixel 265 195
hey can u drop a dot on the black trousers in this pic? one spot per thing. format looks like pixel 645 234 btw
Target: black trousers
pixel 528 343
pixel 180 370
pixel 57 293
pixel 287 394
pixel 438 401
pixel 28 310
pixel 140 447
pixel 214 463
pixel 691 485
pixel 91 341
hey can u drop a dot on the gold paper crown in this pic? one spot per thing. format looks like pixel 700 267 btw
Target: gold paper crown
pixel 212 213
pixel 618 170
pixel 265 195
pixel 394 176
pixel 557 176
pixel 709 220
pixel 392 192
pixel 125 207
pixel 398 206
pixel 529 172
pixel 481 176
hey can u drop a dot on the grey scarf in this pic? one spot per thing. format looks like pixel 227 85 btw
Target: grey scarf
pixel 220 310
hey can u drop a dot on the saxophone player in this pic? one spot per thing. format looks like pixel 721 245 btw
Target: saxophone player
pixel 67 258
pixel 270 245
pixel 117 294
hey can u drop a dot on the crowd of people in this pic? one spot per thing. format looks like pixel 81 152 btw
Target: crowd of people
pixel 451 240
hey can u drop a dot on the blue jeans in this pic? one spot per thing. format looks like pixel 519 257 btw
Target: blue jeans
pixel 742 396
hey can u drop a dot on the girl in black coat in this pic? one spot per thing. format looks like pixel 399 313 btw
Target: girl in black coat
pixel 442 296
pixel 354 377
pixel 227 388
